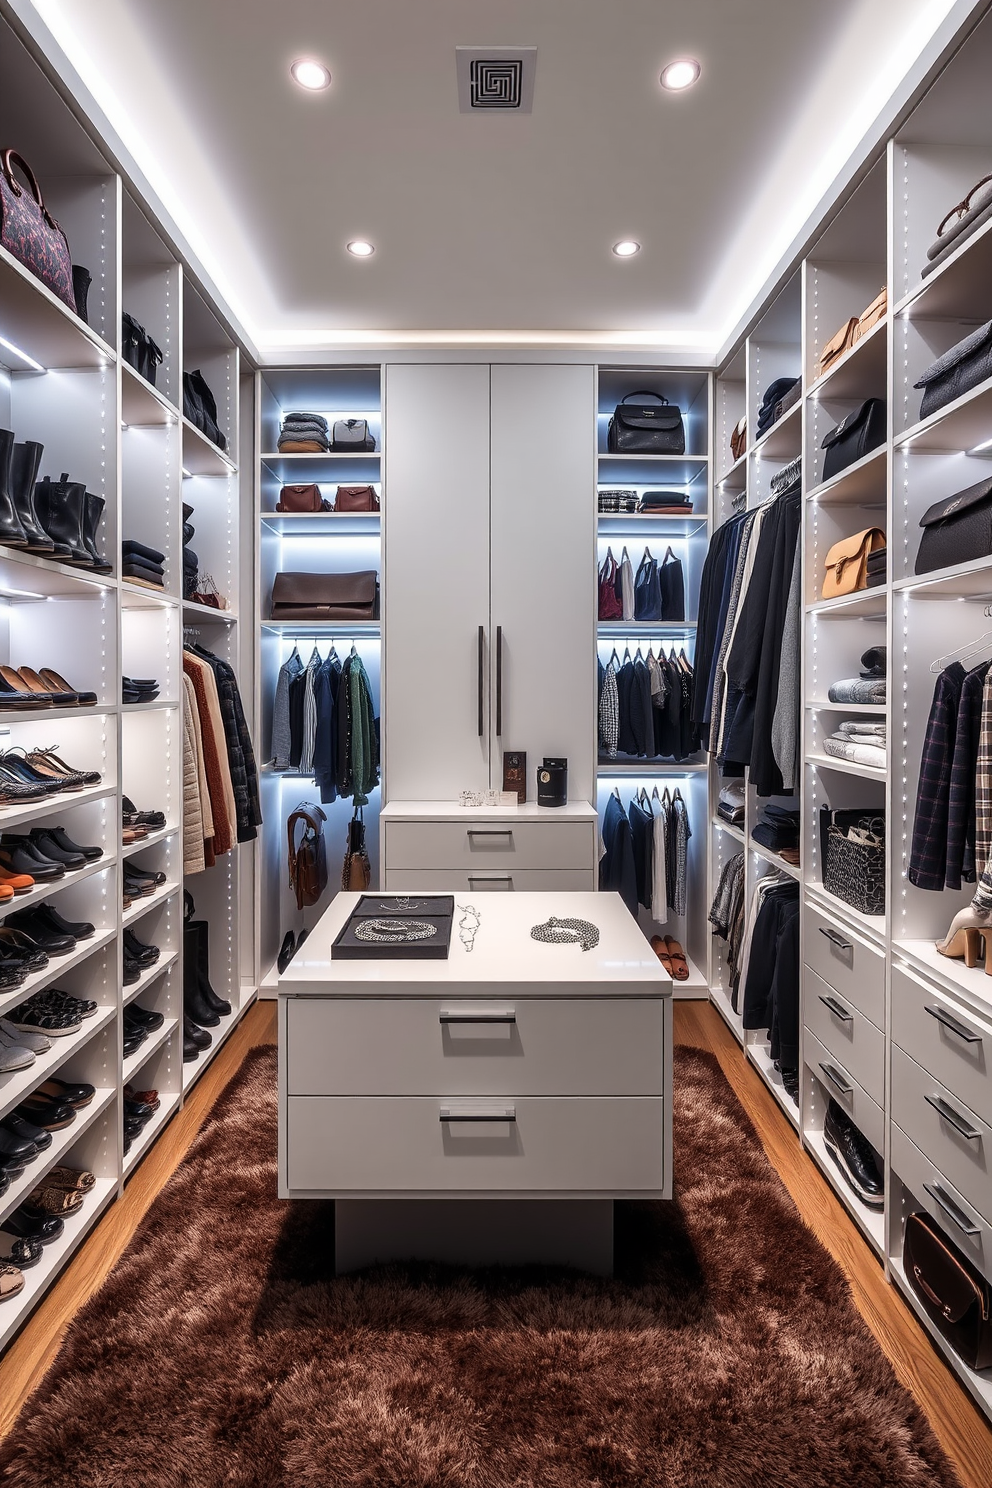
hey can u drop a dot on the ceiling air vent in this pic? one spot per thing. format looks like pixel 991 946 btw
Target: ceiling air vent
pixel 496 78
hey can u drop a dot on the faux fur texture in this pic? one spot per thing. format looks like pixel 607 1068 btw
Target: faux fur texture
pixel 726 1352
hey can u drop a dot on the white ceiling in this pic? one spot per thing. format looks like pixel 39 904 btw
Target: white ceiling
pixel 491 226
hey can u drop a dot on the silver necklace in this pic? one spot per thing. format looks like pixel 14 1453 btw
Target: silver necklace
pixel 395 932
pixel 403 904
pixel 468 926
pixel 567 932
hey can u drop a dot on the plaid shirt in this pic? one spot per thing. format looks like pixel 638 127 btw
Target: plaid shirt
pixel 961 809
pixel 983 803
pixel 928 857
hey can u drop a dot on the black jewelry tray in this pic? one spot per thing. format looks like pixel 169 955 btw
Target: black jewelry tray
pixel 347 946
pixel 406 906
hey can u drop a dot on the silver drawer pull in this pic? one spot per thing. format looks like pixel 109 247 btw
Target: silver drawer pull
pixel 952 1025
pixel 478 1113
pixel 478 1015
pixel 489 831
pixel 836 939
pixel 506 879
pixel 838 1009
pixel 953 1118
pixel 836 1080
pixel 951 1209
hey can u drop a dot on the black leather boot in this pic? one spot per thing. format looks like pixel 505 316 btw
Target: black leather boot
pixel 59 505
pixel 12 534
pixel 194 1004
pixel 23 474
pixel 219 1005
pixel 93 508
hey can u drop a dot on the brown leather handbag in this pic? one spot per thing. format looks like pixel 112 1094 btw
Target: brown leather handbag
pixel 738 439
pixel 847 562
pixel 870 317
pixel 356 871
pixel 326 596
pixel 307 858
pixel 839 343
pixel 953 1293
pixel 356 499
pixel 302 499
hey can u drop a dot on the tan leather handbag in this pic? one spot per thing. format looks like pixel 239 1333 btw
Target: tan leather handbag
pixel 869 318
pixel 834 349
pixel 738 439
pixel 847 562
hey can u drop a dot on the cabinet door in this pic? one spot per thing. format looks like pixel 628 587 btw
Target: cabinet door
pixel 544 568
pixel 435 580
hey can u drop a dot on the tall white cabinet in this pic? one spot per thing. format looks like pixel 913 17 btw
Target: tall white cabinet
pixel 488 590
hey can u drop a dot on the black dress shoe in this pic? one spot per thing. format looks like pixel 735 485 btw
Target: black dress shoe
pixel 16 857
pixel 61 836
pixel 854 1155
pixel 132 817
pixel 79 929
pixel 36 924
pixel 52 1115
pixel 15 1151
pixel 197 1035
pixel 76 1092
pixel 144 1017
pixel 145 955
pixel 27 1223
pixel 131 971
pixel 138 1111
pixel 51 849
pixel 286 951
pixel 27 1131
pixel 20 946
pixel 145 875
pixel 133 1042
pixel 21 1253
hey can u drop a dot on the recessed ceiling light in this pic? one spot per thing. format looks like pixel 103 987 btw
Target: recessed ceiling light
pixel 626 248
pixel 361 249
pixel 680 74
pixel 310 74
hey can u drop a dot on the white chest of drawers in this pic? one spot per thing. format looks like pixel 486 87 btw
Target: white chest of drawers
pixel 432 846
pixel 519 1071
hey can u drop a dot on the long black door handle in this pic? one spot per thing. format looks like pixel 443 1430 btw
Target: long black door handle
pixel 482 678
pixel 499 681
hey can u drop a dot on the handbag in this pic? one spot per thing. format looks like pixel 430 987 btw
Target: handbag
pixel 30 233
pixel 847 562
pixel 356 499
pixel 610 607
pixel 307 858
pixel 302 499
pixel 876 568
pixel 870 317
pixel 853 438
pixel 832 351
pixel 351 434
pixel 326 596
pixel 672 582
pixel 356 871
pixel 738 439
pixel 957 371
pixel 207 593
pixel 854 867
pixel 960 222
pixel 953 1293
pixel 647 589
pixel 957 530
pixel 646 428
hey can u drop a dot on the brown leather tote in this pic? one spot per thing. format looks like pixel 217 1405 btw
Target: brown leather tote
pixel 302 499
pixel 307 858
pixel 356 871
pixel 326 596
pixel 356 499
pixel 952 1291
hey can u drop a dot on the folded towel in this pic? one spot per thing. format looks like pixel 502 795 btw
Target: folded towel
pixel 856 754
pixel 857 690
pixel 849 727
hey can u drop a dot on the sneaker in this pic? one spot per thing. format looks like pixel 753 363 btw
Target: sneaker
pixel 854 1155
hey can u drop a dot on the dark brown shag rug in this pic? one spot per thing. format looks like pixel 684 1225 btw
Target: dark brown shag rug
pixel 726 1352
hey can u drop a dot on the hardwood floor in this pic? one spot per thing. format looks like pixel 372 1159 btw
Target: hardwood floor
pixel 960 1428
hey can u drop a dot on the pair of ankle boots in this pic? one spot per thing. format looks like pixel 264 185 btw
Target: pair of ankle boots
pixel 202 1007
pixel 55 519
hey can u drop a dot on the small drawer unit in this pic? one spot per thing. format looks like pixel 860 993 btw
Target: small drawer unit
pixel 950 1041
pixel 945 1129
pixel 489 850
pixel 849 1094
pixel 488 880
pixel 847 1035
pixel 847 962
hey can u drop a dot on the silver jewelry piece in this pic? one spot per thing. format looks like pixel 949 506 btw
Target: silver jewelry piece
pixel 403 903
pixel 468 926
pixel 395 932
pixel 567 932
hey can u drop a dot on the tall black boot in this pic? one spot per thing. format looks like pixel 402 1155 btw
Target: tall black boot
pixel 220 1005
pixel 23 474
pixel 93 507
pixel 194 1004
pixel 12 534
pixel 60 508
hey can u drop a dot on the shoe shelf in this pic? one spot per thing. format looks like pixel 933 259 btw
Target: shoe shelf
pixel 142 405
pixel 194 1069
pixel 151 1046
pixel 968 982
pixel 153 707
pixel 43 891
pixel 756 1050
pixel 15 1086
pixel 871 1222
pixel 53 972
pixel 650 767
pixel 54 715
pixel 148 977
pixel 144 903
pixel 26 576
pixel 201 456
pixel 38 1278
pixel 45 331
pixel 35 1172
pixel 146 1137
pixel 128 849
pixel 55 805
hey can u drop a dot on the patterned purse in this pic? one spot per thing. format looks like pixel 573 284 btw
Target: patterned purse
pixel 30 233
pixel 854 868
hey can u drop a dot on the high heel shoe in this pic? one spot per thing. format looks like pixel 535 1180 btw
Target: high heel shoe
pixel 964 937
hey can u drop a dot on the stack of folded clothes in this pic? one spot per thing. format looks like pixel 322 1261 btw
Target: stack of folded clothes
pixel 303 434
pixel 877 567
pixel 860 741
pixel 869 687
pixel 730 806
pixel 779 398
pixel 778 830
pixel 142 565
pixel 139 689
pixel 191 563
pixel 666 504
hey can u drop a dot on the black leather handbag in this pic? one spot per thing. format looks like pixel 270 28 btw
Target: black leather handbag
pixel 672 581
pixel 953 1293
pixel 858 434
pixel 647 589
pixel 957 530
pixel 957 371
pixel 646 428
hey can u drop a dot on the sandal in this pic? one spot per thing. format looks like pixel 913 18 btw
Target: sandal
pixel 661 951
pixel 11 1281
pixel 71 1178
pixel 680 966
pixel 48 1199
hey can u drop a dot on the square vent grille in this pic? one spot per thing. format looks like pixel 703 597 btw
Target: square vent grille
pixel 495 78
